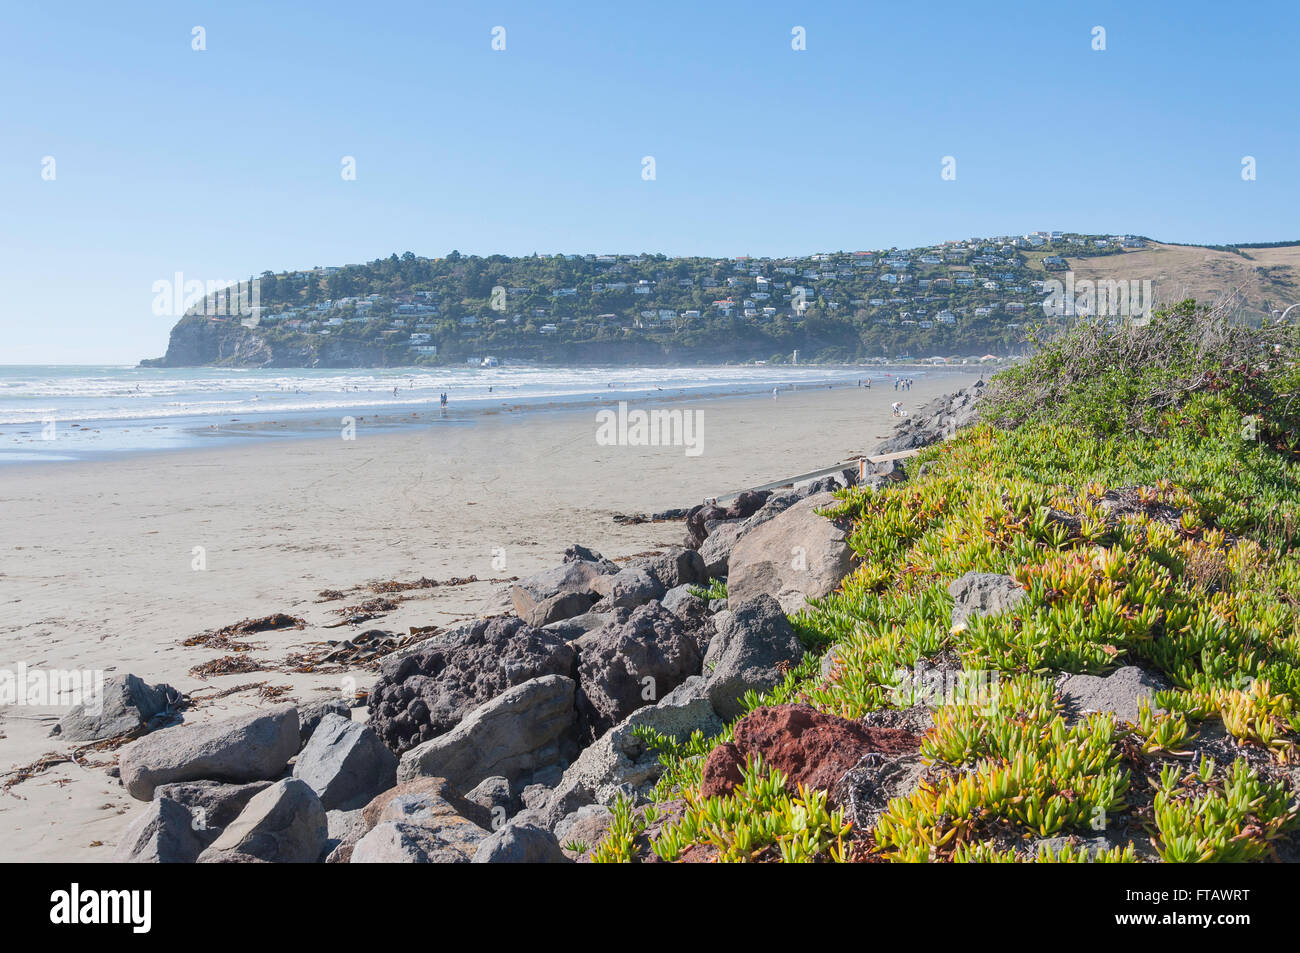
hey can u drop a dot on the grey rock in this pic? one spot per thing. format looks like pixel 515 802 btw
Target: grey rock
pixel 680 600
pixel 628 589
pixel 421 821
pixel 163 834
pixel 982 593
pixel 339 826
pixel 694 688
pixel 309 715
pixel 795 556
pixel 579 553
pixel 678 566
pixel 251 747
pixel 124 706
pixel 285 824
pixel 496 796
pixel 587 826
pixel 652 644
pixel 557 608
pixel 520 844
pixel 618 763
pixel 1120 692
pixel 524 729
pixel 396 842
pixel 718 605
pixel 578 577
pixel 212 805
pixel 753 647
pixel 345 763
pixel 578 625
pixel 426 693
pixel 435 801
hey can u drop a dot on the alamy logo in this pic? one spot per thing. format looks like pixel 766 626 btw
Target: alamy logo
pixel 177 297
pixel 73 906
pixel 935 686
pixel 53 686
pixel 1106 298
pixel 651 428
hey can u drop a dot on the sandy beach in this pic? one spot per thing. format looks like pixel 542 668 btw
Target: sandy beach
pixel 98 569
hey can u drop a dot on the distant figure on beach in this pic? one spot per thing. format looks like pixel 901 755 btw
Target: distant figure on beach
pixel 442 398
pixel 868 383
pixel 897 407
pixel 394 391
pixel 775 391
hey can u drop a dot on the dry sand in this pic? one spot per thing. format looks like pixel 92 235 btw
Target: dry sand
pixel 96 566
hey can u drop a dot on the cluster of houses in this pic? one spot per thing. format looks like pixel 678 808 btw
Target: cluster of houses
pixel 921 288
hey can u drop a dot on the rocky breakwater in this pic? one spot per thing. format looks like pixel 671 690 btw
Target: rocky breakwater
pixel 507 737
pixel 935 421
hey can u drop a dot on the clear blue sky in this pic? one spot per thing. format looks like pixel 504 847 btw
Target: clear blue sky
pixel 226 162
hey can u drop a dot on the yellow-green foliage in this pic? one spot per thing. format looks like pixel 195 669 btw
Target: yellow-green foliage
pixel 756 818
pixel 1175 550
pixel 1230 821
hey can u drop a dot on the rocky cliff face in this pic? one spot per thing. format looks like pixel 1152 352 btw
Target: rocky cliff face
pixel 197 341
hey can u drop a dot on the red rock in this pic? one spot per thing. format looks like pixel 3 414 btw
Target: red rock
pixel 811 748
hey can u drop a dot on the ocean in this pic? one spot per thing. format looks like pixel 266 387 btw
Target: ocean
pixel 64 412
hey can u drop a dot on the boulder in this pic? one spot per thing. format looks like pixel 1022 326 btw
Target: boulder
pixel 424 694
pixel 578 625
pixel 523 730
pixel 577 553
pixel 339 826
pixel 587 825
pixel 982 593
pixel 795 556
pixel 497 797
pixel 309 715
pixel 396 842
pixel 680 601
pixel 441 796
pixel 285 824
pixel 212 805
pixel 520 844
pixel 628 589
pixel 557 608
pixel 715 551
pixel 678 566
pixel 163 834
pixel 541 594
pixel 742 507
pixel 618 763
pixel 123 706
pixel 810 747
pixel 345 763
pixel 1119 693
pixel 251 747
pixel 753 647
pixel 631 664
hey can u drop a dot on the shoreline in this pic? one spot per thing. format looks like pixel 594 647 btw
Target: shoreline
pixel 100 569
pixel 103 425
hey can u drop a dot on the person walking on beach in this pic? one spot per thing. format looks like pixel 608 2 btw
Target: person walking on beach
pixel 775 391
